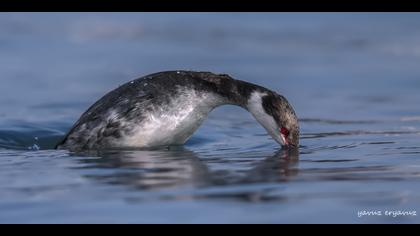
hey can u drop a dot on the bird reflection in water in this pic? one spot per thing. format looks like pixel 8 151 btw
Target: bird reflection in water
pixel 178 166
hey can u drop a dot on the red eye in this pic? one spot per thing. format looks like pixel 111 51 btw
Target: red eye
pixel 284 131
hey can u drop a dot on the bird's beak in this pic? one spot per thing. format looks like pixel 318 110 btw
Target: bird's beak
pixel 285 141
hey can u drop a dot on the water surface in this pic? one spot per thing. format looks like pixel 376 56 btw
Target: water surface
pixel 353 80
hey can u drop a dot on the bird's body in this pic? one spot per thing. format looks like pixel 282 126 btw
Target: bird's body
pixel 165 109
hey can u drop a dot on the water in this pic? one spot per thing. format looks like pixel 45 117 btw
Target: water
pixel 353 80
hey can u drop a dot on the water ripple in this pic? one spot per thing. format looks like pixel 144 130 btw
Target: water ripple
pixel 338 122
pixel 355 132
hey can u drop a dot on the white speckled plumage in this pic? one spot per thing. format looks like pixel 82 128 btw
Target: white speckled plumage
pixel 174 122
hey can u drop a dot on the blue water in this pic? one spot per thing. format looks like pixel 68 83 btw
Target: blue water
pixel 353 79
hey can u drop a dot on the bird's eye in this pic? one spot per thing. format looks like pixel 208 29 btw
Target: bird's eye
pixel 284 131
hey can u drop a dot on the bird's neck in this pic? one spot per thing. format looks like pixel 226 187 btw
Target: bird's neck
pixel 237 92
pixel 244 94
pixel 250 97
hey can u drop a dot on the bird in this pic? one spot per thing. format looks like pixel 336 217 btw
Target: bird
pixel 166 108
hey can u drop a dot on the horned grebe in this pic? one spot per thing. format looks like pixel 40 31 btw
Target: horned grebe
pixel 166 108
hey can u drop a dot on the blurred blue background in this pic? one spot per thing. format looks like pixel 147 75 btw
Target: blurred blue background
pixel 353 79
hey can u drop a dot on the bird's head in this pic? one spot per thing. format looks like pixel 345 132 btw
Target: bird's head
pixel 276 115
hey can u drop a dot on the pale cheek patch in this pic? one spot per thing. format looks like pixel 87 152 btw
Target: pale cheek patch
pixel 255 107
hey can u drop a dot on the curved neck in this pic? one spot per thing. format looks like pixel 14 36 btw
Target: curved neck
pixel 248 96
pixel 232 91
